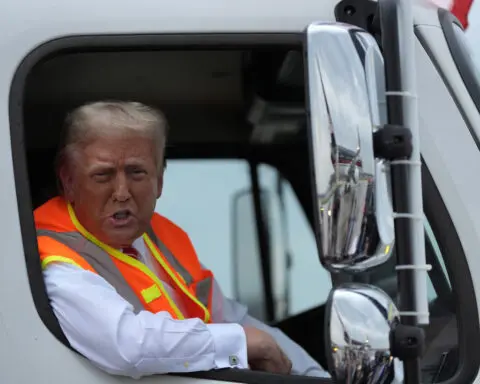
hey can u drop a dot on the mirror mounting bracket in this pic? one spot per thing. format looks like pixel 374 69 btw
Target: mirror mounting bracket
pixel 407 342
pixel 361 13
pixel 392 142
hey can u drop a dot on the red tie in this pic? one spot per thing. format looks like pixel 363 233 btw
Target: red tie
pixel 130 251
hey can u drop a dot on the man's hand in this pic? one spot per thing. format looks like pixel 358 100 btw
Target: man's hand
pixel 264 354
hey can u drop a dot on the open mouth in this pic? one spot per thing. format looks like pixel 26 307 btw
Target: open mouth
pixel 122 217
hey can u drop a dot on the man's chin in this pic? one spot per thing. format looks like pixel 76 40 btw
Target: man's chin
pixel 121 237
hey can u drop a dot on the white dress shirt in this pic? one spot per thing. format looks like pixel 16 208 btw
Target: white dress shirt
pixel 102 326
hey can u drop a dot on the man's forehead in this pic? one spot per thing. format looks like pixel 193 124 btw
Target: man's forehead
pixel 117 157
pixel 113 156
pixel 120 147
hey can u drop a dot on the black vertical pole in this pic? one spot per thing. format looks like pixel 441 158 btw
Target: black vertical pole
pixel 389 13
pixel 263 241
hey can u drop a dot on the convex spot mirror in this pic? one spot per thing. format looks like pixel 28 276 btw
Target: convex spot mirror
pixel 346 99
pixel 359 321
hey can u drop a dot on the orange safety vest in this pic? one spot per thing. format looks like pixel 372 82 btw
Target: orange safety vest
pixel 61 238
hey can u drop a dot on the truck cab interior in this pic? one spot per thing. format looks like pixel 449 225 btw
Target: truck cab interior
pixel 224 100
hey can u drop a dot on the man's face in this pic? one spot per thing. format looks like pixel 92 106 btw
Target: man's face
pixel 113 184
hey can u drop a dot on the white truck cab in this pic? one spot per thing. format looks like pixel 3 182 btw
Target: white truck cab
pixel 263 118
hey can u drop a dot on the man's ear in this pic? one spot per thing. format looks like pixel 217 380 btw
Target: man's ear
pixel 66 180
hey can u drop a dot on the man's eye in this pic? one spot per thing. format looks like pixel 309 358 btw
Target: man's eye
pixel 101 176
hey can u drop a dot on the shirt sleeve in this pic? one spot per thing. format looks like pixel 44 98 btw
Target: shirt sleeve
pixel 102 326
pixel 225 310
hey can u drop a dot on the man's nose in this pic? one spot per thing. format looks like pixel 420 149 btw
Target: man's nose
pixel 121 190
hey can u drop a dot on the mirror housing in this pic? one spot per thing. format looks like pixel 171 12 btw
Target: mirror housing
pixel 360 320
pixel 354 215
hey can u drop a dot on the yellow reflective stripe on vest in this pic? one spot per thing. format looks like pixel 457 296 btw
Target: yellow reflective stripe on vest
pixel 124 258
pixel 170 258
pixel 174 277
pixel 53 258
pixel 151 293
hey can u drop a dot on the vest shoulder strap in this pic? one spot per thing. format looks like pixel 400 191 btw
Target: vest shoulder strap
pixel 58 247
pixel 52 251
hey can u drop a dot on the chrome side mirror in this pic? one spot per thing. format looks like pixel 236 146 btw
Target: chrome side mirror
pixel 359 319
pixel 354 215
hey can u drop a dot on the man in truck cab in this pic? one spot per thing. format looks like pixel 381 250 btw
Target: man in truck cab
pixel 125 282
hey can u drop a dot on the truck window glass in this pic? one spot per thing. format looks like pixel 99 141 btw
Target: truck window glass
pixel 300 243
pixel 197 196
pixel 436 249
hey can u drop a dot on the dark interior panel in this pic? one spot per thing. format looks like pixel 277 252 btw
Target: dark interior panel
pixel 206 95
pixel 307 329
